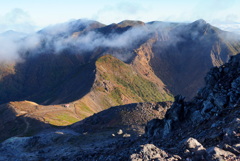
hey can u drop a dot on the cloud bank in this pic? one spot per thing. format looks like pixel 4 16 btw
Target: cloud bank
pixel 62 37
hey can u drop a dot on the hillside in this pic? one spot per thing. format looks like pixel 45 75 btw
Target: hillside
pixel 118 83
pixel 111 87
pixel 205 128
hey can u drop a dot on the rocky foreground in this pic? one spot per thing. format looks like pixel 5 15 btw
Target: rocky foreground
pixel 205 128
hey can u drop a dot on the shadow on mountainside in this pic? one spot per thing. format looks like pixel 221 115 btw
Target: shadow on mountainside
pixel 48 79
pixel 12 125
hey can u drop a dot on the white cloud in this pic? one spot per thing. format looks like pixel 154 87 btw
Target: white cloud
pixel 17 20
pixel 119 11
pixel 232 27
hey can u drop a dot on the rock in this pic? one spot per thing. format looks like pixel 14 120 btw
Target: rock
pixel 193 145
pixel 233 97
pixel 151 152
pixel 126 135
pixel 237 146
pixel 207 106
pixel 203 93
pixel 120 132
pixel 196 150
pixel 176 112
pixel 215 153
pixel 153 126
pixel 209 79
pixel 179 99
pixel 196 117
pixel 167 127
pixel 231 149
pixel 236 83
pixel 220 100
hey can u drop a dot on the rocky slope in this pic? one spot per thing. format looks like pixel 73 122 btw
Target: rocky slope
pixel 131 117
pixel 206 128
pixel 106 129
pixel 213 116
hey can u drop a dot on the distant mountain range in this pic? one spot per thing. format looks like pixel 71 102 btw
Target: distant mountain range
pixel 90 66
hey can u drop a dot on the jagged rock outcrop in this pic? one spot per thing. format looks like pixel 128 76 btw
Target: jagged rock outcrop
pixel 212 117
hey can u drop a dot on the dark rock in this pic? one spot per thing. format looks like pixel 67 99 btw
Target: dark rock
pixel 167 127
pixel 196 117
pixel 153 127
pixel 220 100
pixel 207 106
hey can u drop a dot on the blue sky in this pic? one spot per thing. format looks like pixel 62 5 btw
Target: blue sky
pixel 29 15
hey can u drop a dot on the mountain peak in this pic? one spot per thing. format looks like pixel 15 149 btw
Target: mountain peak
pixel 126 23
pixel 200 21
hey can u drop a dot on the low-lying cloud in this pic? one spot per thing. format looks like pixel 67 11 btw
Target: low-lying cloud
pixel 58 38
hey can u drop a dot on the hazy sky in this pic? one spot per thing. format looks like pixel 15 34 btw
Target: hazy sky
pixel 30 15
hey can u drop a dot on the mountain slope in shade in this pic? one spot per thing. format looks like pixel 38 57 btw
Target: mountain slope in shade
pixel 183 55
pixel 131 117
pixel 17 122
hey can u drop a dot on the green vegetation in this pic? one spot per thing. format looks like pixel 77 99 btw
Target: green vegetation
pixel 67 117
pixel 61 119
pixel 85 108
pixel 127 82
pixel 116 95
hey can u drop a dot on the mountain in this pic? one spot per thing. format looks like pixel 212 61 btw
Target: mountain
pixel 205 128
pixel 183 56
pixel 92 66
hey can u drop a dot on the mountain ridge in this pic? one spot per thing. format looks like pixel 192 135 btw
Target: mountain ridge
pixel 205 128
pixel 165 59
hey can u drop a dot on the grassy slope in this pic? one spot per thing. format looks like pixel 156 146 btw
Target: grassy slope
pixel 128 81
pixel 118 83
